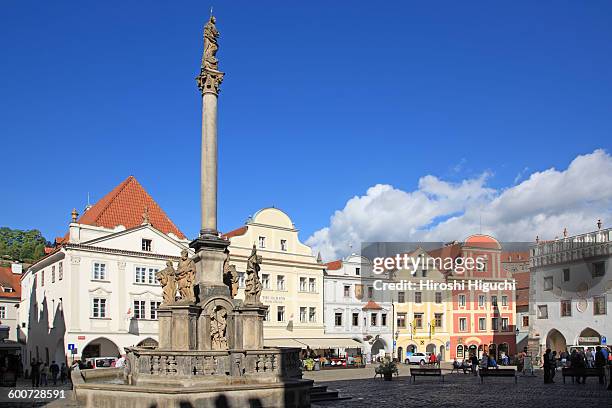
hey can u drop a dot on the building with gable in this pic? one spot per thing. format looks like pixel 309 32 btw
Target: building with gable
pixel 10 293
pixel 351 311
pixel 292 281
pixel 96 292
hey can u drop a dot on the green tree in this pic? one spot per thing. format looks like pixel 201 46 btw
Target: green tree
pixel 20 244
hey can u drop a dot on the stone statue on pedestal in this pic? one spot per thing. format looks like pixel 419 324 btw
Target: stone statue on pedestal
pixel 167 278
pixel 218 326
pixel 185 277
pixel 209 59
pixel 230 276
pixel 252 290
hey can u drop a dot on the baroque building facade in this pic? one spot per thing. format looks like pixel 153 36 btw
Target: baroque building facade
pixel 96 292
pixel 571 292
pixel 351 311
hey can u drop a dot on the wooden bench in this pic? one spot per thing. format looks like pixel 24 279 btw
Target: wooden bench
pixel 497 372
pixel 581 372
pixel 426 372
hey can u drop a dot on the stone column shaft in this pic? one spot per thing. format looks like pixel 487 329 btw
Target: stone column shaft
pixel 208 176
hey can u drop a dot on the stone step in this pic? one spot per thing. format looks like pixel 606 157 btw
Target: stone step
pixel 318 388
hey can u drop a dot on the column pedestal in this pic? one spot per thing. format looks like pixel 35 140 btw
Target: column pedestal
pixel 248 332
pixel 209 259
pixel 178 327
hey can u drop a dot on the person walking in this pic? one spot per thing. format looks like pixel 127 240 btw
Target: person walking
pixel 35 373
pixel 439 358
pixel 44 375
pixel 546 366
pixel 553 366
pixel 54 369
pixel 63 373
pixel 600 363
pixel 474 362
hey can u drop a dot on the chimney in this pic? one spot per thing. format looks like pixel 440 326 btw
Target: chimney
pixel 16 268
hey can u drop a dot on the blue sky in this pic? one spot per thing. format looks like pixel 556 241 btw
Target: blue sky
pixel 321 100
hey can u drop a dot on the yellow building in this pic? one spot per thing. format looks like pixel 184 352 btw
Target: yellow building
pixel 422 316
pixel 291 277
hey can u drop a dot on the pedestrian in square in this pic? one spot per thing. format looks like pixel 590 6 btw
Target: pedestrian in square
pixel 35 373
pixel 546 367
pixel 44 375
pixel 63 373
pixel 54 368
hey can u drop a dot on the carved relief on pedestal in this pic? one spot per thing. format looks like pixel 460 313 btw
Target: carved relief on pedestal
pixel 218 328
pixel 252 291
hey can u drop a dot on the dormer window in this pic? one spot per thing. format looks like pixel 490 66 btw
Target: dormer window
pixel 262 242
pixel 146 245
pixel 8 289
pixel 283 244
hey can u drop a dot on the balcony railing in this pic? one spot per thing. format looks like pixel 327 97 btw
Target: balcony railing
pixel 567 249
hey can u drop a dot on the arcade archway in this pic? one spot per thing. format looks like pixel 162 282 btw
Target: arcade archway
pixel 556 341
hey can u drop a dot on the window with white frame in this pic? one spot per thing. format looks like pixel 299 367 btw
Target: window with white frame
pixel 262 242
pixel 505 324
pixel 2 312
pixel 99 271
pixel 383 319
pixel 599 305
pixel 312 315
pixel 461 300
pixel 542 312
pixel 98 308
pixel 145 274
pixel 347 290
pixel 154 307
pixel 566 307
pixel 280 313
pixel 548 283
pixel 146 245
pixel 462 324
pixel 504 300
pixel 283 244
pixel 60 270
pixel 312 285
pixel 53 274
pixel 482 324
pixel 265 281
pixel 280 282
pixel 438 297
pixel 598 269
pixel 494 323
pixel 418 297
pixel 139 309
pixel 373 319
pixel 481 300
pixel 303 312
pixel 525 321
pixel 338 319
pixel 303 284
pixel 355 319
pixel 357 271
pixel 494 300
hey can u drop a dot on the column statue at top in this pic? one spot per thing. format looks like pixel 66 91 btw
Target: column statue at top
pixel 209 59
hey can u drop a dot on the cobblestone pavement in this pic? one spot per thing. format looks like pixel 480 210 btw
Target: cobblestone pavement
pixel 459 390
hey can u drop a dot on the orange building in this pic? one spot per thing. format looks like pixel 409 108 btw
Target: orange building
pixel 483 319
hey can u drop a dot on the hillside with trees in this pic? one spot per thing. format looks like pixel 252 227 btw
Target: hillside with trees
pixel 21 245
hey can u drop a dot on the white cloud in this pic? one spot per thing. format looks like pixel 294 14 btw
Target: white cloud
pixel 438 210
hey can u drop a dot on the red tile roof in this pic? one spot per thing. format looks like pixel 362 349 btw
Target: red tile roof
pixel 10 279
pixel 371 305
pixel 516 256
pixel 522 280
pixel 125 205
pixel 334 265
pixel 238 231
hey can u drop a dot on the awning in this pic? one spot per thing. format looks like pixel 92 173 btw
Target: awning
pixel 331 343
pixel 283 343
pixel 314 343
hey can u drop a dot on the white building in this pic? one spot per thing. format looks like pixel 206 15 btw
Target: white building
pixel 571 291
pixel 97 290
pixel 351 311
